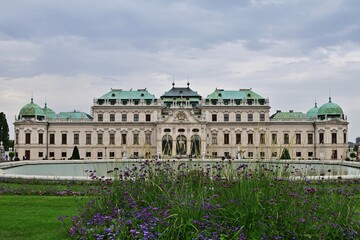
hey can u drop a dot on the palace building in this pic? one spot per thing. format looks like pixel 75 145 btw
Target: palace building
pixel 181 123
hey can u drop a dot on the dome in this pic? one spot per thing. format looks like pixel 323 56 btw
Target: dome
pixel 330 109
pixel 313 112
pixel 31 110
pixel 48 112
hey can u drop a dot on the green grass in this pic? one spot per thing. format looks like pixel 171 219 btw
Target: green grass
pixel 36 217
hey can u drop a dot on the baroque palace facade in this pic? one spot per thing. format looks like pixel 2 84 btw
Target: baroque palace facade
pixel 136 124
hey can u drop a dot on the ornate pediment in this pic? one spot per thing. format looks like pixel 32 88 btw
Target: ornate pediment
pixel 181 116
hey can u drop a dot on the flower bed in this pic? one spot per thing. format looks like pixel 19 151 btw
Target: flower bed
pixel 161 200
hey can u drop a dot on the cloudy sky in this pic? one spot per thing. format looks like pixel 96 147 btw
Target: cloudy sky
pixel 68 52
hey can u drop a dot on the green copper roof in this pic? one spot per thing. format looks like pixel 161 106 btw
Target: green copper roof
pixel 289 116
pixel 74 115
pixel 121 94
pixel 330 108
pixel 31 109
pixel 233 94
pixel 48 112
pixel 313 112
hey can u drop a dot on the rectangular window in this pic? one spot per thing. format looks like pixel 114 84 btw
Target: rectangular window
pixel 262 138
pixel 41 138
pixel 286 138
pixel 250 154
pixel 27 138
pixel 148 138
pixel 112 154
pixel 112 139
pixel 310 154
pixel 99 155
pixel 123 139
pixel 214 154
pixel 88 138
pixel 51 154
pixel 238 138
pixel 310 138
pixel 250 138
pixel 274 154
pixel 345 140
pixel 100 117
pixel 17 138
pixel 262 117
pixel 298 138
pixel 250 117
pixel 214 138
pixel 52 138
pixel 136 117
pixel 214 117
pixel 63 154
pixel 321 138
pixel 148 117
pixel 112 117
pixel 334 154
pixel 41 154
pixel 124 117
pixel 238 117
pixel 226 117
pixel 226 138
pixel 274 138
pixel 88 154
pixel 76 138
pixel 262 155
pixel 333 138
pixel 64 138
pixel 100 138
pixel 298 154
pixel 136 139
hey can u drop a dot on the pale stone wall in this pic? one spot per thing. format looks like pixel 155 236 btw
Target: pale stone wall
pixel 181 121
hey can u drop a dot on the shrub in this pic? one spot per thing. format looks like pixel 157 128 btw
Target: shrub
pixel 353 155
pixel 11 155
pixel 285 154
pixel 75 154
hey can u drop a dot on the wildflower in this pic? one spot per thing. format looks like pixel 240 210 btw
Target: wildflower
pixel 310 190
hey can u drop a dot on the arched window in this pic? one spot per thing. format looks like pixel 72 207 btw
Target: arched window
pixel 181 145
pixel 167 145
pixel 195 145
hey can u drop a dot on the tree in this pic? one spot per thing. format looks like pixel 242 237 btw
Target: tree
pixel 75 154
pixel 356 147
pixel 4 131
pixel 285 154
pixel 353 155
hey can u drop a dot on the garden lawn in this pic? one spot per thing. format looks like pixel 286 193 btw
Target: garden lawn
pixel 36 217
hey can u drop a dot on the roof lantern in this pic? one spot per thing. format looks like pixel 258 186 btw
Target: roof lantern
pixel 330 109
pixel 313 112
pixel 31 110
pixel 48 112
